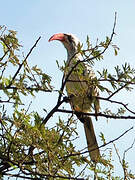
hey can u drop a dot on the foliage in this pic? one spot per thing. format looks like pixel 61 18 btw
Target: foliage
pixel 29 149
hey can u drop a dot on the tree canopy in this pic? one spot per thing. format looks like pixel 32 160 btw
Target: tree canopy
pixel 29 148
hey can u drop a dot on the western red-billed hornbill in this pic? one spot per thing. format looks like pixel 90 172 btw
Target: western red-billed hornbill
pixel 80 89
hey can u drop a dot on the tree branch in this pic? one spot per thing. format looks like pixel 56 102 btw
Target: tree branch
pixel 27 88
pixel 97 114
pixel 116 102
pixel 119 89
pixel 101 145
pixel 20 66
pixel 55 109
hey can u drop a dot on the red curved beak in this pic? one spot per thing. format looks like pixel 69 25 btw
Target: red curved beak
pixel 59 37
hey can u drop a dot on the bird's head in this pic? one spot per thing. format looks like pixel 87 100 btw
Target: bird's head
pixel 69 41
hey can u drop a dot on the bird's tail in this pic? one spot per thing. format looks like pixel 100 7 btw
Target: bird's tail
pixel 91 138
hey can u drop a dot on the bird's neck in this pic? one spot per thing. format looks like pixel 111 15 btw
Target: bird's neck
pixel 71 54
pixel 72 58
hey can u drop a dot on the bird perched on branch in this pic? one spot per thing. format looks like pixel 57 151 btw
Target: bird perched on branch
pixel 80 89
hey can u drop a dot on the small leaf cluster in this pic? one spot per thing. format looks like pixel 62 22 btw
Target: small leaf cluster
pixel 31 147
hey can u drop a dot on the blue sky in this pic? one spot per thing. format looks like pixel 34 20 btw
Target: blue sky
pixel 32 18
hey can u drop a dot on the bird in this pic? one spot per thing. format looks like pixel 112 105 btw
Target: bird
pixel 80 89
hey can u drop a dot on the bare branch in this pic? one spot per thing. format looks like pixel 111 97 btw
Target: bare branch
pixel 124 155
pixel 4 55
pixel 119 89
pixel 116 102
pixel 82 170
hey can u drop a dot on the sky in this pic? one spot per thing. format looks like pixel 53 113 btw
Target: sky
pixel 32 18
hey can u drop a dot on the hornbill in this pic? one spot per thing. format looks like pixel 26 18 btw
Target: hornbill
pixel 80 89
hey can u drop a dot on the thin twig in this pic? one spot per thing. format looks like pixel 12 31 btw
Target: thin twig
pixel 117 80
pixel 82 171
pixel 27 88
pixel 116 102
pixel 4 55
pixel 128 149
pixel 20 66
pixel 119 89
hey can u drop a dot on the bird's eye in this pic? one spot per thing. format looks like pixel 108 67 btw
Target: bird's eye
pixel 69 38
